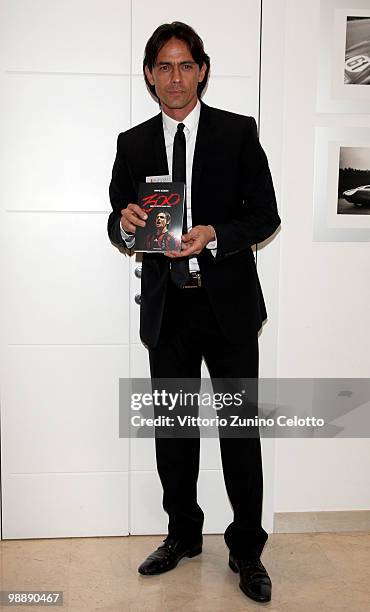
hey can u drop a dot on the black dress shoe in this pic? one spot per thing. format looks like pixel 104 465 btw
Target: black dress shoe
pixel 254 579
pixel 167 556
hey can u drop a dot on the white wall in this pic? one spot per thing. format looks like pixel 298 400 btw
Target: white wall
pixel 71 81
pixel 324 293
pixel 71 73
pixel 65 86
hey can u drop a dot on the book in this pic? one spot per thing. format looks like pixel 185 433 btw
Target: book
pixel 164 205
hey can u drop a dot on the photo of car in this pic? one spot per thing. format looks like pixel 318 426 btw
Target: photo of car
pixel 357 64
pixel 359 196
pixel 357 58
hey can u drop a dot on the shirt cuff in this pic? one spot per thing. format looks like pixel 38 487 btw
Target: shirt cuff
pixel 128 238
pixel 212 246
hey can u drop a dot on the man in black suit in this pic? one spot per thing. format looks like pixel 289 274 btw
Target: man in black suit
pixel 205 302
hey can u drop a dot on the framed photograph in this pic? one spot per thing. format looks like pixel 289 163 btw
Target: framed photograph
pixel 354 181
pixel 344 57
pixel 342 184
pixel 357 56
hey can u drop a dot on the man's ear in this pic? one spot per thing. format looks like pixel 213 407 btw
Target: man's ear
pixel 202 73
pixel 149 75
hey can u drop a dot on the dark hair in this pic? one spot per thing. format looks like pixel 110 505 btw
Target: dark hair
pixel 181 31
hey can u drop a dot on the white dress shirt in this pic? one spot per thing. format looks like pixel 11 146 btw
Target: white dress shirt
pixel 169 129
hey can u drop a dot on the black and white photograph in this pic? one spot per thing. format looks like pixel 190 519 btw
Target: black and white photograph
pixel 344 57
pixel 354 181
pixel 357 57
pixel 342 184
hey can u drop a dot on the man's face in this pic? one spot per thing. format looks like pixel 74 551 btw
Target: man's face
pixel 161 222
pixel 175 77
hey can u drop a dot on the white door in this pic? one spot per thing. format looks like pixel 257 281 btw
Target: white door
pixel 65 83
pixel 232 39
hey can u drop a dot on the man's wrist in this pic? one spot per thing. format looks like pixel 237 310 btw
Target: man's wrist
pixel 212 243
pixel 213 235
pixel 125 231
pixel 128 239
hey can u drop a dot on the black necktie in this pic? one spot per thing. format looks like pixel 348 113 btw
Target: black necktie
pixel 180 267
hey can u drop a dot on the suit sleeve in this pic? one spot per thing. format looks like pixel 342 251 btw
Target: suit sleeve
pixel 121 192
pixel 260 217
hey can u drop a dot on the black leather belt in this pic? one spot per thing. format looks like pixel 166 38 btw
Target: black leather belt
pixel 194 282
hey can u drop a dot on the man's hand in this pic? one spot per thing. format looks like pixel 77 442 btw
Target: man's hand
pixel 131 217
pixel 194 241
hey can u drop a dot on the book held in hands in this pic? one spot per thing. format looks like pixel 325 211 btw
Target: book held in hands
pixel 164 205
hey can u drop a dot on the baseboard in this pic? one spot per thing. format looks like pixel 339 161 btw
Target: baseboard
pixel 307 522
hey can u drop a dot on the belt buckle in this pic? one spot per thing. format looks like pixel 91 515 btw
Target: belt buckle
pixel 195 281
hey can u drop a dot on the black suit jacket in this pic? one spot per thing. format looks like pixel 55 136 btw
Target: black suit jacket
pixel 231 190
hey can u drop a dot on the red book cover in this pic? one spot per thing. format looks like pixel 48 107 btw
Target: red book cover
pixel 164 205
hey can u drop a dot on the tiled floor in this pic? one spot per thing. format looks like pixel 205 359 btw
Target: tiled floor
pixel 310 572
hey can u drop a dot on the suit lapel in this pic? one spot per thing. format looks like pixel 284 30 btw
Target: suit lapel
pixel 160 147
pixel 200 151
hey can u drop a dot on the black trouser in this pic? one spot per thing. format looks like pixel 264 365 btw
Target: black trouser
pixel 189 332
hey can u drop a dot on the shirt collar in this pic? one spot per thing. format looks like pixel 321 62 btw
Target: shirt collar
pixel 191 120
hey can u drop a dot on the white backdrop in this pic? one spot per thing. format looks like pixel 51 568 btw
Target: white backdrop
pixel 324 291
pixel 71 81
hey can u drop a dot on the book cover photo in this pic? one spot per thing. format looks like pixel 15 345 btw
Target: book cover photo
pixel 164 205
